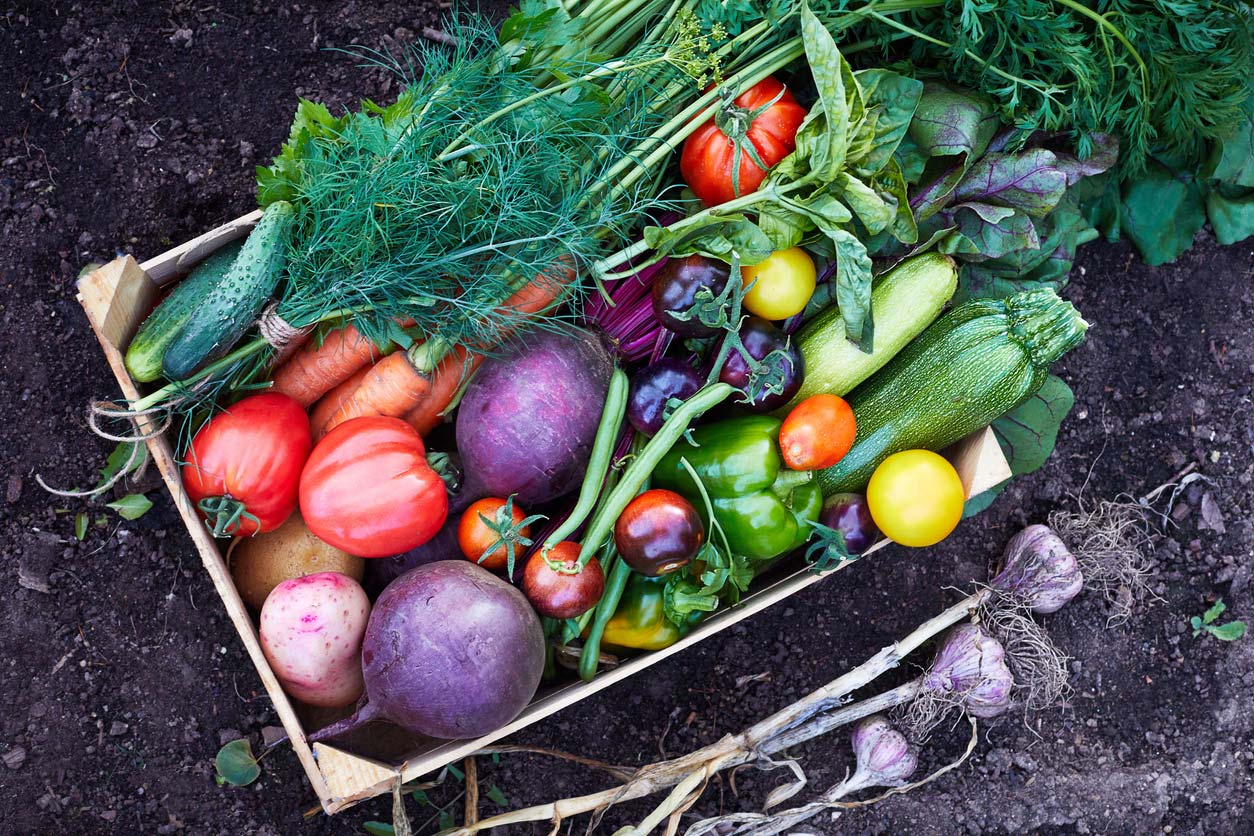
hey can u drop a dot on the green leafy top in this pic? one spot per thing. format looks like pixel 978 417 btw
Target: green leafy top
pixel 840 186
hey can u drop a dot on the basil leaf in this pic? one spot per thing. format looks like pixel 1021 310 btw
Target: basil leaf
pixel 824 137
pixel 853 286
pixel 870 208
pixel 784 227
pixel 890 100
pixel 716 236
pixel 131 507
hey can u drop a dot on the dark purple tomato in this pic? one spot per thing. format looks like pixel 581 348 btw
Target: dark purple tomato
pixel 557 587
pixel 675 291
pixel 760 338
pixel 849 514
pixel 652 388
pixel 658 532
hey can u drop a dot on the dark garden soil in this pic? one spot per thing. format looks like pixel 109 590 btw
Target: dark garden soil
pixel 131 126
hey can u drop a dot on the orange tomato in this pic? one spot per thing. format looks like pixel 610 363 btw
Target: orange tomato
pixel 817 433
pixel 485 533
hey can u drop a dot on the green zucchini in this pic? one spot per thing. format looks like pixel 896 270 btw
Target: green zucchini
pixel 234 303
pixel 973 365
pixel 143 355
pixel 905 300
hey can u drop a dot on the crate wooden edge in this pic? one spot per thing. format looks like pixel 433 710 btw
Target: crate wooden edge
pixel 115 298
pixel 118 295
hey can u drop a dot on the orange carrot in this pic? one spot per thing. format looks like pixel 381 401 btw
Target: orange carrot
pixel 316 369
pixel 419 384
pixel 448 377
pixel 393 386
pixel 330 403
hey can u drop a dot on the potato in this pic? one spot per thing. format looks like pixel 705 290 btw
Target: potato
pixel 311 632
pixel 259 564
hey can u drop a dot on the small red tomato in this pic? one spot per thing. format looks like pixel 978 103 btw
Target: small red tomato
pixel 817 433
pixel 243 467
pixel 367 489
pixel 557 587
pixel 658 532
pixel 710 156
pixel 485 525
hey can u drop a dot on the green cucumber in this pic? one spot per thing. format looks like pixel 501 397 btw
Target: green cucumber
pixel 905 300
pixel 143 356
pixel 974 365
pixel 234 303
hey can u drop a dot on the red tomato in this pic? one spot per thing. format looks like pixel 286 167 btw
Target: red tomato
pixel 557 588
pixel 367 489
pixel 817 433
pixel 243 467
pixel 709 155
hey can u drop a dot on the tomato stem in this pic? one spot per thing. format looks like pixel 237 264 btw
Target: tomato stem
pixel 224 513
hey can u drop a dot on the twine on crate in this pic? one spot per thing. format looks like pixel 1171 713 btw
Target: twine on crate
pixel 282 336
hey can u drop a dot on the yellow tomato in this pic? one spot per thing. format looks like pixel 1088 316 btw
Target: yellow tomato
pixel 915 497
pixel 782 284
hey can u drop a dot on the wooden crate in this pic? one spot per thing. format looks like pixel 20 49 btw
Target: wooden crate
pixel 120 294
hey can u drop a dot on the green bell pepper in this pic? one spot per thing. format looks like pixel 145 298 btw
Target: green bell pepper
pixel 640 622
pixel 763 508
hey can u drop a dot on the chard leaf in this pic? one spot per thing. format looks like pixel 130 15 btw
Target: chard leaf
pixel 1161 212
pixel 995 230
pixel 1027 435
pixel 954 129
pixel 1231 213
pixel 1049 266
pixel 1028 181
pixel 1105 154
pixel 890 100
pixel 950 122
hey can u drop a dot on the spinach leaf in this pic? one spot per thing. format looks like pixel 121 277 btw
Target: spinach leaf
pixel 1161 212
pixel 1232 155
pixel 1231 213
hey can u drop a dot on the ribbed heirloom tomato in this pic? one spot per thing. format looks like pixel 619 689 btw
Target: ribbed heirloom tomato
pixel 244 465
pixel 367 489
pixel 764 119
